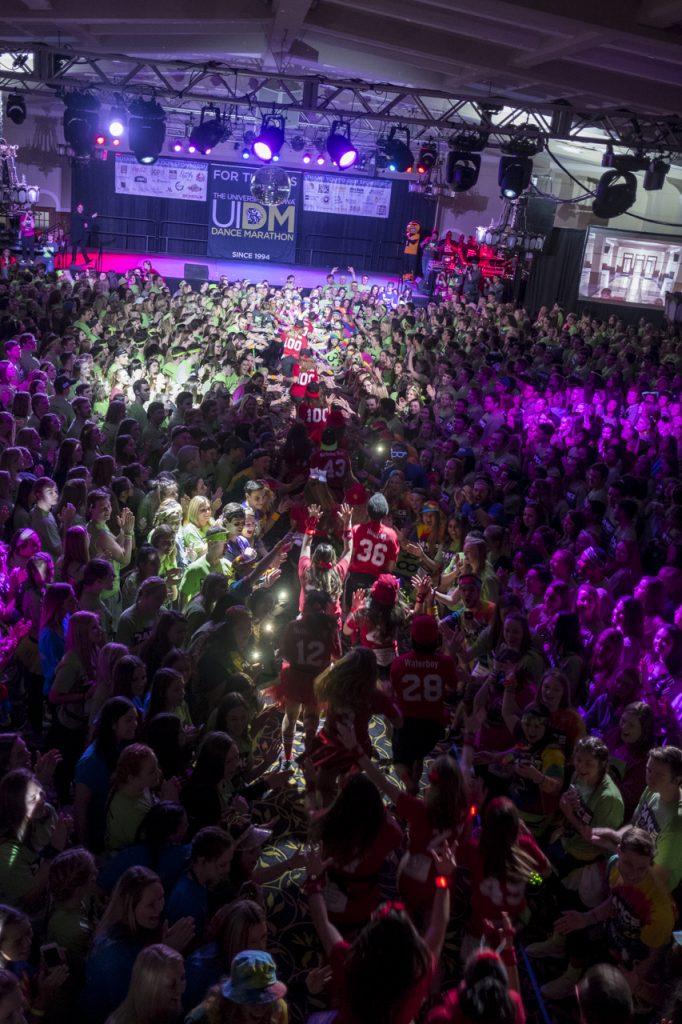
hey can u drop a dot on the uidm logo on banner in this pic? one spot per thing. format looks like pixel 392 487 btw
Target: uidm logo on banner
pixel 241 228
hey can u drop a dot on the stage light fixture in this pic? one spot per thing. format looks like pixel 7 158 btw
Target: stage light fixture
pixel 399 156
pixel 177 147
pixel 614 197
pixel 339 146
pixel 115 142
pixel 320 161
pixel 117 120
pixel 462 170
pixel 191 148
pixel 80 122
pixel 15 108
pixel 146 130
pixel 270 138
pixel 245 153
pixel 428 155
pixel 654 176
pixel 513 175
pixel 213 128
pixel 100 140
pixel 306 158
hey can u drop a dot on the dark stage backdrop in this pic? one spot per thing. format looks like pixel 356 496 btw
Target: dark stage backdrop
pixel 555 272
pixel 177 227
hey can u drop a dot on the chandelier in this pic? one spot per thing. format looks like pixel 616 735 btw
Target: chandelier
pixel 510 235
pixel 14 192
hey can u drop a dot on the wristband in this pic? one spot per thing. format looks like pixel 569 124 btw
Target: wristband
pixel 442 881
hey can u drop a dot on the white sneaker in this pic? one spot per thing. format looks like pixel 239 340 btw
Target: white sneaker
pixel 563 987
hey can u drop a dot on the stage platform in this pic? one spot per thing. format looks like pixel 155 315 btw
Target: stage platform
pixel 174 267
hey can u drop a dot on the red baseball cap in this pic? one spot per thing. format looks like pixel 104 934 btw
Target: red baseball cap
pixel 385 589
pixel 424 631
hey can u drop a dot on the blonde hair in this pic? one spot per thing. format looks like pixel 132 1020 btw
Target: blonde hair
pixel 348 684
pixel 149 984
pixel 197 503
pixel 168 512
pixel 127 893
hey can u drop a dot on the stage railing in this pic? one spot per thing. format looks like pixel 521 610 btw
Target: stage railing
pixel 180 238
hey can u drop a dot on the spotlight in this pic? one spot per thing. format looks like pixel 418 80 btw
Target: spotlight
pixel 462 170
pixel 306 158
pixel 213 128
pixel 428 156
pixel 275 158
pixel 191 148
pixel 100 140
pixel 115 142
pixel 245 153
pixel 397 151
pixel 81 114
pixel 654 176
pixel 614 198
pixel 513 175
pixel 16 109
pixel 270 138
pixel 146 130
pixel 177 147
pixel 117 122
pixel 320 161
pixel 340 148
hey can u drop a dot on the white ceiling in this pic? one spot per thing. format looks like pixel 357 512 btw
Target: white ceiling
pixel 597 54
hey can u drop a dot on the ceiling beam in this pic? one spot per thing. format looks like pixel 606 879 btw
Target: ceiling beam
pixel 461 53
pixel 565 47
pixel 285 28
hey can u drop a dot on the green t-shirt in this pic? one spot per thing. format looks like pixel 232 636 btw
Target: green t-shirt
pixel 124 817
pixel 18 865
pixel 193 575
pixel 600 806
pixel 71 930
pixel 663 822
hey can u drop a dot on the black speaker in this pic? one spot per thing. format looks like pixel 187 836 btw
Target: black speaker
pixel 196 272
pixel 540 215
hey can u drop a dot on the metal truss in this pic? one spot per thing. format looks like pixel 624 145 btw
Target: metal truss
pixel 317 100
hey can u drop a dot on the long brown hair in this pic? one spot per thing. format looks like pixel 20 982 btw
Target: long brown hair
pixel 348 684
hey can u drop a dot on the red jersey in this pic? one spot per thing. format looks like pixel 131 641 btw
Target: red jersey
pixel 295 343
pixel 335 464
pixel 490 896
pixel 375 548
pixel 306 654
pixel 315 418
pixel 419 683
pixel 364 633
pixel 405 1013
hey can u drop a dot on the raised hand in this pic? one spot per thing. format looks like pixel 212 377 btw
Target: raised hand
pixel 45 765
pixel 179 935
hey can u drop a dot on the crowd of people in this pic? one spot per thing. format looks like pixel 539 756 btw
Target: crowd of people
pixel 329 594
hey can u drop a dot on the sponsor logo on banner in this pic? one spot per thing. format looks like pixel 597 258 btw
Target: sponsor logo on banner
pixel 351 197
pixel 166 179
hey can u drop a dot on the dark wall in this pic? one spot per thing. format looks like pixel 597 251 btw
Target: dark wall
pixel 178 227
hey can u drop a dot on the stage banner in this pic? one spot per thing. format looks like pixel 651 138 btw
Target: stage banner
pixel 166 179
pixel 354 197
pixel 241 228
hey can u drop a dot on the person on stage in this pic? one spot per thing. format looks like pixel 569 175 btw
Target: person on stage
pixel 81 225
